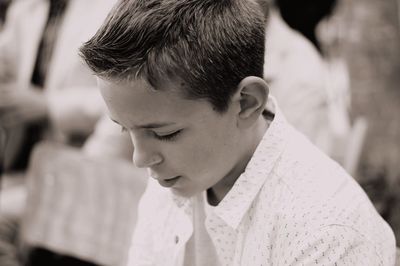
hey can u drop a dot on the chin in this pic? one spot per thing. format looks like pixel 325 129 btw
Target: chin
pixel 182 192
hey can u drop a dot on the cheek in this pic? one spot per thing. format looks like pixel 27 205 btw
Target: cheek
pixel 191 157
pixel 196 157
pixel 205 149
pixel 205 154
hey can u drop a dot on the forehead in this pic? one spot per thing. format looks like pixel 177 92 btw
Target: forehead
pixel 137 102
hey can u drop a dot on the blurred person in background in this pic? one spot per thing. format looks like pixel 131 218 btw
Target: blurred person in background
pixel 306 81
pixel 46 92
pixel 304 16
pixel 3 9
pixel 294 69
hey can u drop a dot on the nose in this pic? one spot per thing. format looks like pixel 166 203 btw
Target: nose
pixel 142 160
pixel 144 156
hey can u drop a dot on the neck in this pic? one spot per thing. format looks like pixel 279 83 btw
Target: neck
pixel 217 193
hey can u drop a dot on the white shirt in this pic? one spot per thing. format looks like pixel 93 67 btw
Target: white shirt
pixel 200 249
pixel 292 206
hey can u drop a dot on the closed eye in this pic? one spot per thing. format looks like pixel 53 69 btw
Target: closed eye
pixel 168 137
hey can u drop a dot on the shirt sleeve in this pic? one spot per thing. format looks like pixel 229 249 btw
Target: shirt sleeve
pixel 339 245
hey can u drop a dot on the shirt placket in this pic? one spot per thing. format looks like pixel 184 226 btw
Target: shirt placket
pixel 183 230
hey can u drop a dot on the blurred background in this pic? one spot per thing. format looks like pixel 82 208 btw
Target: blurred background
pixel 68 221
pixel 370 46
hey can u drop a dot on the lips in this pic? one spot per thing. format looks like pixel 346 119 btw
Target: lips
pixel 168 182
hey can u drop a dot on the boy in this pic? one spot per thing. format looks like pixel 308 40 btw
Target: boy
pixel 239 186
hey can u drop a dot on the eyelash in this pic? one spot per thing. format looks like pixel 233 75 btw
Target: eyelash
pixel 169 137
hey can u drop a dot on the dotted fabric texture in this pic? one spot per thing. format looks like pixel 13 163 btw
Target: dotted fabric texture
pixel 292 206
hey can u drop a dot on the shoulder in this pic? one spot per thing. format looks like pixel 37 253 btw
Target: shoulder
pixel 324 223
pixel 313 190
pixel 315 184
pixel 305 169
pixel 338 244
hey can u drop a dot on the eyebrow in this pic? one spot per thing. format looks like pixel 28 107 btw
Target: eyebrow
pixel 148 126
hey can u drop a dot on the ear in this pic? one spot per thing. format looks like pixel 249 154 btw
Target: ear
pixel 252 95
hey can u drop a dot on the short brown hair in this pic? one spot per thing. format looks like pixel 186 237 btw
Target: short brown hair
pixel 211 45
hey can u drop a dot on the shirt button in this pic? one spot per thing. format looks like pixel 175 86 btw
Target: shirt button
pixel 176 239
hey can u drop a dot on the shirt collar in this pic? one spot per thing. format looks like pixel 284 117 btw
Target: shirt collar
pixel 238 200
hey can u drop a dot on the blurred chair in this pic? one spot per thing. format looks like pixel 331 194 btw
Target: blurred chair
pixel 3 141
pixel 81 206
pixel 347 137
pixel 354 145
pixel 348 147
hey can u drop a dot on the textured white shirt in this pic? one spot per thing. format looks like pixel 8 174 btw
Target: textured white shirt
pixel 292 206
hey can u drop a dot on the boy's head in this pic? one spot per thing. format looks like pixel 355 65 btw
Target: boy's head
pixel 209 45
pixel 184 78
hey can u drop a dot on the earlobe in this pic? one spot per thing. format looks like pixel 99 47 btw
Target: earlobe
pixel 253 98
